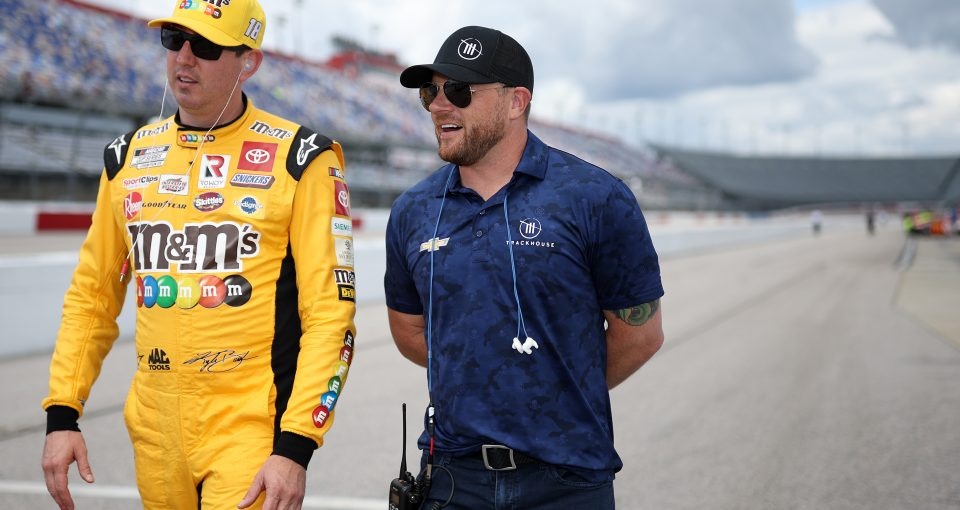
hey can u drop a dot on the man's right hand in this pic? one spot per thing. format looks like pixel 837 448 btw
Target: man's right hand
pixel 60 449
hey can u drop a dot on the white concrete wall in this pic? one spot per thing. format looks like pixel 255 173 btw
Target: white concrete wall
pixel 19 218
pixel 32 285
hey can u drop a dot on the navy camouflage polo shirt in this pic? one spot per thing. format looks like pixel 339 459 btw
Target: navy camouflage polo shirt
pixel 580 246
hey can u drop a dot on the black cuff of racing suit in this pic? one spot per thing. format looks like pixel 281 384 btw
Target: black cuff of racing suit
pixel 62 418
pixel 295 447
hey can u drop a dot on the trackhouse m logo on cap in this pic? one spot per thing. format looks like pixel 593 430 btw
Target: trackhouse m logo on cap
pixel 469 49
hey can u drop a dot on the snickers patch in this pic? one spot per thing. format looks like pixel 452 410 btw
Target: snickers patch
pixel 261 181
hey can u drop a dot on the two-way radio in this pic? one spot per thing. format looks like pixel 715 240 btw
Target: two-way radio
pixel 406 491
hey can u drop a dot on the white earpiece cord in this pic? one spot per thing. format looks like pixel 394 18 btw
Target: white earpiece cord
pixel 434 242
pixel 528 342
pixel 203 140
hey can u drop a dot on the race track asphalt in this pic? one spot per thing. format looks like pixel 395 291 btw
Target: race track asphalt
pixel 799 372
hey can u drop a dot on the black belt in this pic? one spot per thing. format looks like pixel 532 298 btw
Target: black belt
pixel 501 458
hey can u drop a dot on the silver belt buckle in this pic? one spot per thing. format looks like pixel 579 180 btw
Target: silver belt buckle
pixel 486 461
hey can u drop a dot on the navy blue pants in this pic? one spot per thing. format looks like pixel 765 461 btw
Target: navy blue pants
pixel 468 485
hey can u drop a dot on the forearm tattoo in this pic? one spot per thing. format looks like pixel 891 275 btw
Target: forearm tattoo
pixel 640 314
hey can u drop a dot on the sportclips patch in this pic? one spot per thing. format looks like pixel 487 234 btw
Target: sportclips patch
pixel 335 384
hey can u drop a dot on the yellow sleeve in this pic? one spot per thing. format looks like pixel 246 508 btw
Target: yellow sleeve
pixel 88 327
pixel 326 296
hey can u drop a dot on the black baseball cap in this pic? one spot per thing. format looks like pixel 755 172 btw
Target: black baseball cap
pixel 476 55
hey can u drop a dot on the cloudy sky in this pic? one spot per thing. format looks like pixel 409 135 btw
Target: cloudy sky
pixel 833 77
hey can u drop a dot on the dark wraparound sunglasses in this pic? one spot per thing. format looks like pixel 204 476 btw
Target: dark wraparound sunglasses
pixel 458 93
pixel 173 39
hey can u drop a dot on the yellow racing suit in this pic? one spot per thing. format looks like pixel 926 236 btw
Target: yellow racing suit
pixel 239 243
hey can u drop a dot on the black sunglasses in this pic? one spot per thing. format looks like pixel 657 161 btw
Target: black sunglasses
pixel 173 39
pixel 458 93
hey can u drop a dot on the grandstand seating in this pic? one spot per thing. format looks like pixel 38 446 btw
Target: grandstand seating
pixel 775 182
pixel 75 56
pixel 54 140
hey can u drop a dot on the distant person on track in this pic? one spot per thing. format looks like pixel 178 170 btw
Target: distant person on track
pixel 234 226
pixel 816 221
pixel 524 279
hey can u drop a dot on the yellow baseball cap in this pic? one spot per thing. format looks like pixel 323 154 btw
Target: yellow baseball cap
pixel 223 22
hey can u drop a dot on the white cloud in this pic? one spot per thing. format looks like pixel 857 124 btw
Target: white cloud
pixel 869 95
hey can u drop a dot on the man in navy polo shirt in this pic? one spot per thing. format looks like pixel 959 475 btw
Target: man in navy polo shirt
pixel 524 279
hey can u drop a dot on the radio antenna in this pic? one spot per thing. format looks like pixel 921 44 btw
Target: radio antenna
pixel 403 445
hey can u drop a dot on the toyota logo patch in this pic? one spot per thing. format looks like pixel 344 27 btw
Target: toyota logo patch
pixel 258 156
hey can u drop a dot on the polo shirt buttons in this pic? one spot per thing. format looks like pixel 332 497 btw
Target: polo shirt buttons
pixel 479 233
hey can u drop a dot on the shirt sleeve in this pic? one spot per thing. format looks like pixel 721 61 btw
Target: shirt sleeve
pixel 326 303
pixel 398 284
pixel 92 303
pixel 625 264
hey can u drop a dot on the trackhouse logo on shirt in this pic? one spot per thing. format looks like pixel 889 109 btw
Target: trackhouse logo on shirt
pixel 530 229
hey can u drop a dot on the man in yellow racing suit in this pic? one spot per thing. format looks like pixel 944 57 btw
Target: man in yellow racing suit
pixel 238 239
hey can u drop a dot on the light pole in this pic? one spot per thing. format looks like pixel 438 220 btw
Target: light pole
pixel 297 33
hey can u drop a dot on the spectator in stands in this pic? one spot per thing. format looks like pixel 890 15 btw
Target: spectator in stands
pixel 509 226
pixel 236 223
